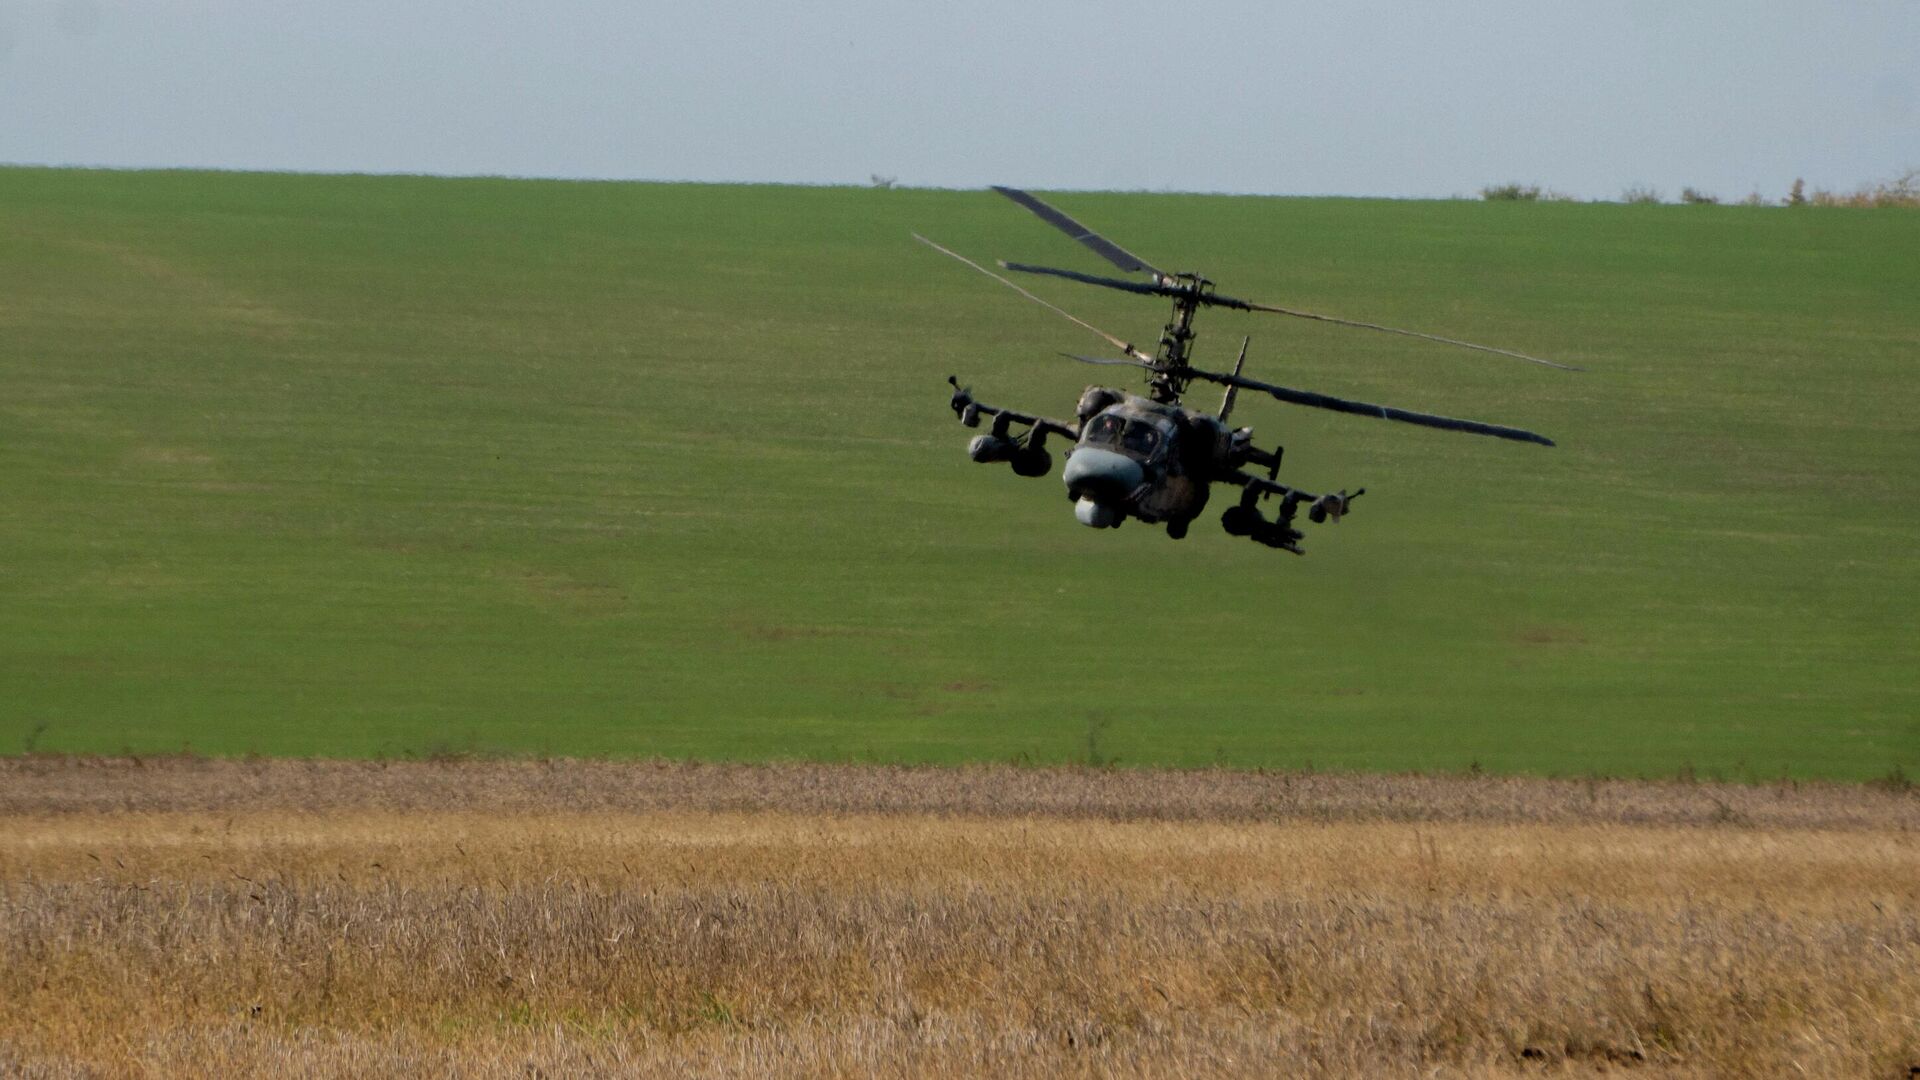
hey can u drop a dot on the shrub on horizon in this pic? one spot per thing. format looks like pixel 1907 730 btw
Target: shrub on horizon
pixel 1511 192
pixel 1902 192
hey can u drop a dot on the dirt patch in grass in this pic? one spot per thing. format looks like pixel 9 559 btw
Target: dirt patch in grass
pixel 50 784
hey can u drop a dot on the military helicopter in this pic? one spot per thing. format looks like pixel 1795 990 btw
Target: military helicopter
pixel 1150 457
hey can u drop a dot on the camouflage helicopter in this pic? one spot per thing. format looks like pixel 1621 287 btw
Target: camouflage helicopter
pixel 1151 457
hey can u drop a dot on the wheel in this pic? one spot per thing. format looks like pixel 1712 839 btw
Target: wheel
pixel 1177 527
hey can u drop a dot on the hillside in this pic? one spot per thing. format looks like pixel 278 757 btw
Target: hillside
pixel 384 465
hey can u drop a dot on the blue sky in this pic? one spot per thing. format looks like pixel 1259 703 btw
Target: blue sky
pixel 1358 98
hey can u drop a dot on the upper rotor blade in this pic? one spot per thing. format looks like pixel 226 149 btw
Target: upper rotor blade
pixel 1090 279
pixel 1105 248
pixel 1123 346
pixel 1384 412
pixel 1248 305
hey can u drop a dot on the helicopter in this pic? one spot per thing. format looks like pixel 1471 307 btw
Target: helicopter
pixel 1150 457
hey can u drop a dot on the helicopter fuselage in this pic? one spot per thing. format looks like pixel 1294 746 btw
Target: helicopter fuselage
pixel 1135 457
pixel 1139 458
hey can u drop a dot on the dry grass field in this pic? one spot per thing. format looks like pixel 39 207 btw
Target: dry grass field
pixel 563 918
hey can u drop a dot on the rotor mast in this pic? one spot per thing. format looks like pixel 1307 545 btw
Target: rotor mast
pixel 1172 369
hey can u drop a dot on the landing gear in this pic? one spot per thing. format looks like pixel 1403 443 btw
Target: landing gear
pixel 1177 528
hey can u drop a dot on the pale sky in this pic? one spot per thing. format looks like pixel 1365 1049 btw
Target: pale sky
pixel 1404 99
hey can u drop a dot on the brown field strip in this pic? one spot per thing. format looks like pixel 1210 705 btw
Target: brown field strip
pixel 187 917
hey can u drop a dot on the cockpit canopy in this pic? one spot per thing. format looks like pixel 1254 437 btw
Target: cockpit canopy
pixel 1136 437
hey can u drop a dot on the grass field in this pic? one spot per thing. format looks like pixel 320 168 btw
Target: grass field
pixel 386 466
pixel 186 917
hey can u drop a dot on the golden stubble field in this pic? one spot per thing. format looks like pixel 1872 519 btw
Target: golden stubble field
pixel 184 916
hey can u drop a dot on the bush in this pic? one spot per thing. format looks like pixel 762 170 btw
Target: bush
pixel 1639 194
pixel 1902 191
pixel 1696 197
pixel 1511 193
pixel 1896 782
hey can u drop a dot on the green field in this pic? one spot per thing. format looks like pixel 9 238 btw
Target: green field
pixel 384 466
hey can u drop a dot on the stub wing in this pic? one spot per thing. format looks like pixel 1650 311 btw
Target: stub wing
pixel 1245 518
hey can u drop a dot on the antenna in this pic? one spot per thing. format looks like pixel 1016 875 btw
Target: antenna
pixel 1233 388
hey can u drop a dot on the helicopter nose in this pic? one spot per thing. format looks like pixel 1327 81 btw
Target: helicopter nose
pixel 1096 515
pixel 1101 474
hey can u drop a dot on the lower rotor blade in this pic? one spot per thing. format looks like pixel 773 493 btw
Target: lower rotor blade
pixel 1089 279
pixel 1384 412
pixel 1248 305
pixel 1123 346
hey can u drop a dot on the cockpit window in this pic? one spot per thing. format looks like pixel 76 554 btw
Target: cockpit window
pixel 1103 430
pixel 1134 437
pixel 1141 438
